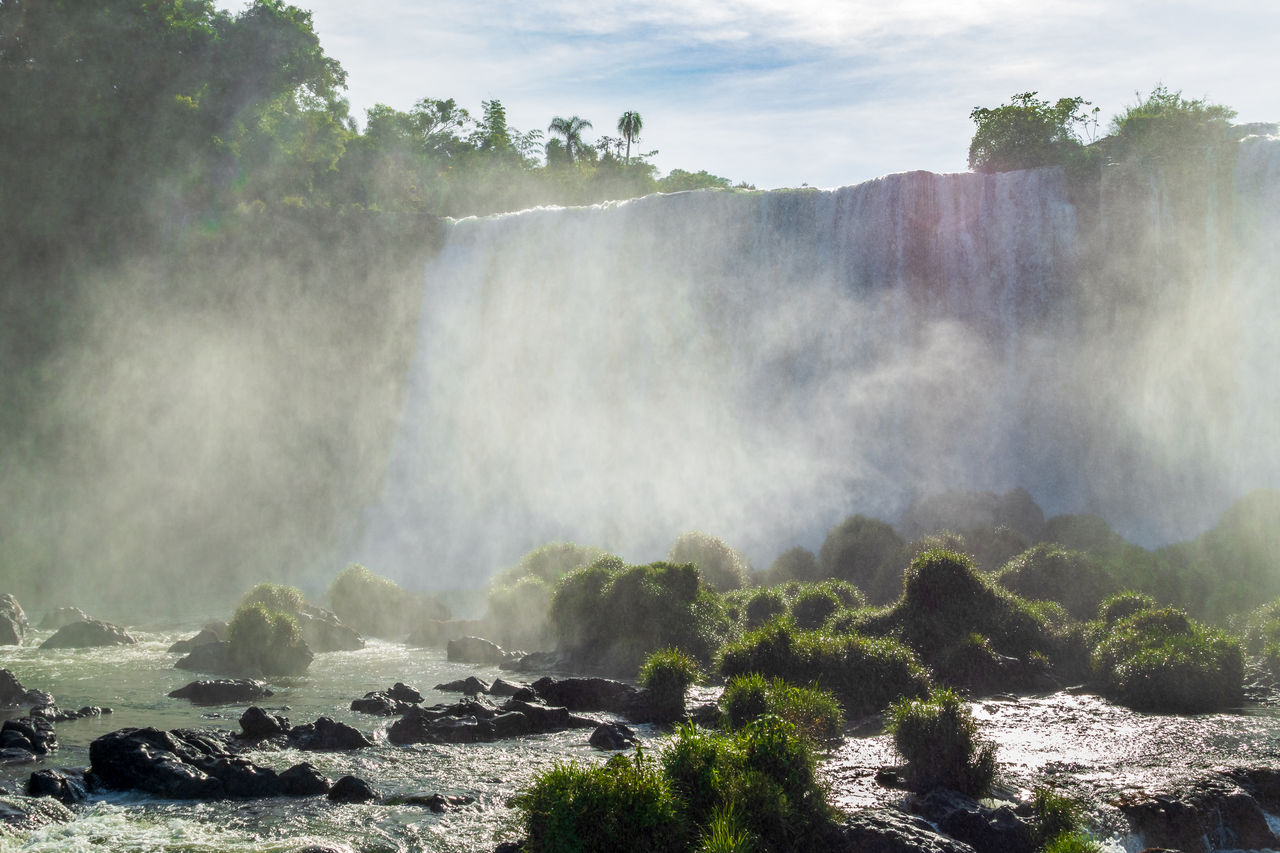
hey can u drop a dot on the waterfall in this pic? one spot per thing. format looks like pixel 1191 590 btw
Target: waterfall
pixel 758 365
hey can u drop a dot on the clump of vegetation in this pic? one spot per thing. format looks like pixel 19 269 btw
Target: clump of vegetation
pixel 815 713
pixel 812 606
pixel 762 604
pixel 516 617
pixel 266 642
pixel 1046 572
pixel 938 739
pixel 1165 121
pixel 720 565
pixel 625 804
pixel 275 597
pixel 550 562
pixel 667 675
pixel 946 601
pixel 793 564
pixel 866 674
pixel 1027 132
pixel 755 789
pixel 1161 660
pixel 1123 604
pixel 611 616
pixel 867 553
pixel 377 606
pixel 1059 824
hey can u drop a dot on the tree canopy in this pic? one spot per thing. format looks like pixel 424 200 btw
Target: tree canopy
pixel 1025 133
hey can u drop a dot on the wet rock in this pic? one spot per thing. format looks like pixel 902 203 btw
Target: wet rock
pixel 352 789
pixel 323 631
pixel 535 662
pixel 986 830
pixel 404 693
pixel 612 736
pixel 415 726
pixel 13 694
pixel 502 687
pixel 212 657
pixel 13 622
pixel 436 802
pixel 31 734
pixel 1212 814
pixel 215 632
pixel 587 694
pixel 304 780
pixel 887 830
pixel 475 650
pixel 379 703
pixel 222 691
pixel 544 718
pixel 54 714
pixel 27 814
pixel 66 787
pixel 469 685
pixel 257 724
pixel 61 617
pixel 91 633
pixel 327 735
pixel 177 764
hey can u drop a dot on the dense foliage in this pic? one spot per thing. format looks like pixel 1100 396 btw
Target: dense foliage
pixel 867 553
pixel 377 606
pixel 755 789
pixel 938 739
pixel 667 675
pixel 719 564
pixel 1047 572
pixel 264 642
pixel 1026 132
pixel 815 713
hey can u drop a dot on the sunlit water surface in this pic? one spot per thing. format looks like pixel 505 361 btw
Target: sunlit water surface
pixel 1093 748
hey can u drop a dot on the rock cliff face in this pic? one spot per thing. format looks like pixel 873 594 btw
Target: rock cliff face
pixel 757 365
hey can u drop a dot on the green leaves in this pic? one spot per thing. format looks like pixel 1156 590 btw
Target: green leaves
pixel 1026 133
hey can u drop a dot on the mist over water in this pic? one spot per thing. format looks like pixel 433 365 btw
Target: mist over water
pixel 758 365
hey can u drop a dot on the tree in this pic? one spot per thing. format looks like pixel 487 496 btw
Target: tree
pixel 1165 121
pixel 630 125
pixel 571 129
pixel 1026 133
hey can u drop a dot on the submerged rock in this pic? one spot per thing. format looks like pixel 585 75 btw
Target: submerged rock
pixel 222 691
pixel 352 789
pixel 27 814
pixel 13 622
pixel 886 830
pixel 91 633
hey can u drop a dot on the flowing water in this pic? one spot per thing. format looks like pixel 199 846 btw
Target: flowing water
pixel 1088 746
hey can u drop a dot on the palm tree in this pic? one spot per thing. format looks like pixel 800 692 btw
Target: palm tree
pixel 571 129
pixel 630 126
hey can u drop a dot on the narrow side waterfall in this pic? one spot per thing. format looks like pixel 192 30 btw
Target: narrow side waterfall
pixel 759 365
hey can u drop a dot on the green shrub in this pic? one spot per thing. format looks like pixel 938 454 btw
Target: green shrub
pixel 762 605
pixel 268 643
pixel 1071 842
pixel 667 675
pixel 1161 660
pixel 611 616
pixel 865 674
pixel 1026 133
pixel 550 562
pixel 813 606
pixel 814 712
pixel 764 775
pixel 938 739
pixel 1123 604
pixel 517 614
pixel 1048 573
pixel 867 553
pixel 799 564
pixel 1165 122
pixel 625 804
pixel 377 606
pixel 1055 816
pixel 720 565
pixel 276 598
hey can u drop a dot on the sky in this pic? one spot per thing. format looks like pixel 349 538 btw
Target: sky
pixel 791 92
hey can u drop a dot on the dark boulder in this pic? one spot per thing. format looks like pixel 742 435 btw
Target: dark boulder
pixel 222 692
pixel 24 815
pixel 327 735
pixel 212 657
pixel 404 693
pixel 89 634
pixel 304 780
pixel 476 650
pixel 323 631
pixel 436 802
pixel 13 694
pixel 612 736
pixel 885 830
pixel 215 632
pixel 13 622
pixel 535 662
pixel 544 718
pixel 415 725
pixel 61 617
pixel 257 724
pixel 380 704
pixel 54 714
pixel 502 687
pixel 65 787
pixel 986 830
pixel 31 734
pixel 1212 814
pixel 154 762
pixel 469 685
pixel 352 789
pixel 587 694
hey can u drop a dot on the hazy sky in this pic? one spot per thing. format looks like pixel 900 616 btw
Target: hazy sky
pixel 784 92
